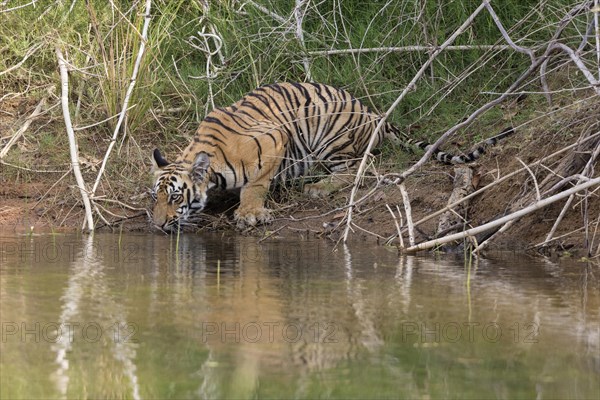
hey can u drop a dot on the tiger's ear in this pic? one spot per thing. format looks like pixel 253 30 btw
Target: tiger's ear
pixel 158 161
pixel 200 166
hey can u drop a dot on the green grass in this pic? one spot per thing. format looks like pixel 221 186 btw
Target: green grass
pixel 102 42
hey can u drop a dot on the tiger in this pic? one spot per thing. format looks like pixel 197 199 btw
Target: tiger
pixel 275 133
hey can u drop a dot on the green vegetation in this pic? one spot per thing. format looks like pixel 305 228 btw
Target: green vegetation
pixel 101 40
pixel 250 44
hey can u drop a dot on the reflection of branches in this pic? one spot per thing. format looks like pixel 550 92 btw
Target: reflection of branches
pixel 87 279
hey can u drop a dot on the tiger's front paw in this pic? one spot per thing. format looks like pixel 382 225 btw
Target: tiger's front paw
pixel 249 218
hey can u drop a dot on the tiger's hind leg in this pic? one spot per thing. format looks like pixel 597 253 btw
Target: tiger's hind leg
pixel 336 181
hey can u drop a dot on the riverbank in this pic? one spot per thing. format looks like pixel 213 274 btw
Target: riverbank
pixel 34 200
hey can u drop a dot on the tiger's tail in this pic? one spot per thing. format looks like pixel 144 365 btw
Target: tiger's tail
pixel 397 137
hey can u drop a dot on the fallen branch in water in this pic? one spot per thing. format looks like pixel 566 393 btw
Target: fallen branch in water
pixel 64 79
pixel 501 221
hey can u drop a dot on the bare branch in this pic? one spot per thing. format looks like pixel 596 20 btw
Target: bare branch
pixel 408 88
pixel 501 221
pixel 124 108
pixel 407 49
pixel 299 12
pixel 18 7
pixel 23 128
pixel 408 212
pixel 29 53
pixel 64 77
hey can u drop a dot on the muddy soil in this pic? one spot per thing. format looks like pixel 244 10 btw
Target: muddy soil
pixel 35 199
pixel 33 206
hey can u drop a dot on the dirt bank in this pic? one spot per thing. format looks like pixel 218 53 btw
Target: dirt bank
pixel 44 198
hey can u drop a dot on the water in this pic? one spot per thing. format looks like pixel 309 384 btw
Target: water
pixel 226 317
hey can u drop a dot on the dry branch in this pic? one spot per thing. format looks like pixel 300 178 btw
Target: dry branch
pixel 588 169
pixel 398 225
pixel 490 225
pixel 25 57
pixel 23 128
pixel 408 212
pixel 535 64
pixel 596 11
pixel 64 78
pixel 407 49
pixel 504 178
pixel 18 7
pixel 124 108
pixel 463 186
pixel 299 12
pixel 408 88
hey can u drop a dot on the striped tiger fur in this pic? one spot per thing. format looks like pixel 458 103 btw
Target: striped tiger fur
pixel 276 131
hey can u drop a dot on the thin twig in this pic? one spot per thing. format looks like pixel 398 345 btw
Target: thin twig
pixel 23 128
pixel 596 11
pixel 18 7
pixel 64 78
pixel 43 171
pixel 407 49
pixel 27 55
pixel 505 35
pixel 51 187
pixel 587 170
pixel 124 108
pixel 397 225
pixel 489 240
pixel 535 182
pixel 76 129
pixel 299 12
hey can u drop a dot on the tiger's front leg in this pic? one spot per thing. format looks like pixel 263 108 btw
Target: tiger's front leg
pixel 252 209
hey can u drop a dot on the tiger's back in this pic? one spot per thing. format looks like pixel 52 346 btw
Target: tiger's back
pixel 309 122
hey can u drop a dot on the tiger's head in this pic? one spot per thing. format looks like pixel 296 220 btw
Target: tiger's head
pixel 179 190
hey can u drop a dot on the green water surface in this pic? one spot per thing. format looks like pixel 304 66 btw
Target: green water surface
pixel 145 316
